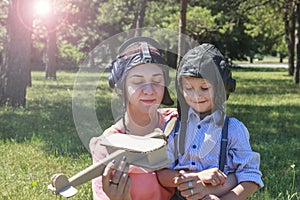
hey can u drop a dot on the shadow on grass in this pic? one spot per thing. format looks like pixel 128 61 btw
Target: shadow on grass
pixel 51 126
pixel 274 133
pixel 48 118
pixel 260 83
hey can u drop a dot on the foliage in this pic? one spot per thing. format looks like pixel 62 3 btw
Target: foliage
pixel 163 14
pixel 41 139
pixel 201 22
pixel 268 26
pixel 239 28
pixel 70 55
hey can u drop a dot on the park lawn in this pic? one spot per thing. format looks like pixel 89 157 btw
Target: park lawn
pixel 41 139
pixel 267 59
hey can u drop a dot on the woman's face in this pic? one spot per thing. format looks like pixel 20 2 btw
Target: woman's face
pixel 145 87
pixel 198 94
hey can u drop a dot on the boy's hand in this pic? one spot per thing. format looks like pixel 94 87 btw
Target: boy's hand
pixel 211 197
pixel 212 176
pixel 195 185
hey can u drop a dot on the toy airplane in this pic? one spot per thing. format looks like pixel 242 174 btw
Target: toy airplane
pixel 144 151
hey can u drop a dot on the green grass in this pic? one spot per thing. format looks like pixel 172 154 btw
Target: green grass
pixel 268 59
pixel 269 105
pixel 41 139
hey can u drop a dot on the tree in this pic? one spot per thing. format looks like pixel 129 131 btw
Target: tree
pixel 289 22
pixel 297 71
pixel 48 23
pixel 139 18
pixel 51 55
pixel 220 23
pixel 274 22
pixel 15 73
pixel 182 27
pixel 51 46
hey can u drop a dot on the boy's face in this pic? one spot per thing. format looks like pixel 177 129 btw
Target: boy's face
pixel 198 94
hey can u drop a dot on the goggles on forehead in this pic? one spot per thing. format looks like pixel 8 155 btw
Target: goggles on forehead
pixel 122 65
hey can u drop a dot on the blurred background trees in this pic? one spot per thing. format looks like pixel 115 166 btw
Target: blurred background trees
pixel 62 37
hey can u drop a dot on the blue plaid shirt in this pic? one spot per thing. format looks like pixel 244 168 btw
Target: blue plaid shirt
pixel 202 148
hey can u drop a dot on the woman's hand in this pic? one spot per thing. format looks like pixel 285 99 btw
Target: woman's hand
pixel 115 180
pixel 192 188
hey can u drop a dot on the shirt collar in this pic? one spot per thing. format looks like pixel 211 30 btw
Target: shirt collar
pixel 215 116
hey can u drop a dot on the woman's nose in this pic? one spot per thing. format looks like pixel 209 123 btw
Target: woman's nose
pixel 148 88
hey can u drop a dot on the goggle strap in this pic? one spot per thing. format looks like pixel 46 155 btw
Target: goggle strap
pixel 146 54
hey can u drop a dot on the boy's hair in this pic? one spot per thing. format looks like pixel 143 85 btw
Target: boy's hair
pixel 205 61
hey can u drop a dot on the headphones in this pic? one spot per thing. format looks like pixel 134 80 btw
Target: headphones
pixel 229 82
pixel 116 66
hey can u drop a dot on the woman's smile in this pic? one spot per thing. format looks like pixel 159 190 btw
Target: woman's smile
pixel 148 101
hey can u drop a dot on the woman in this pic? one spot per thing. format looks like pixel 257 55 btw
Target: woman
pixel 140 77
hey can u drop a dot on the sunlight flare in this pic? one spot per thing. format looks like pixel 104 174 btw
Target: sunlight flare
pixel 43 7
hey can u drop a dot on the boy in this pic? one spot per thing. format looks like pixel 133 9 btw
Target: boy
pixel 204 83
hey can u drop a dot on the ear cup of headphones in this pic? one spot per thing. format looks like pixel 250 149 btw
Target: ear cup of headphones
pixel 229 82
pixel 167 78
pixel 112 79
pixel 116 74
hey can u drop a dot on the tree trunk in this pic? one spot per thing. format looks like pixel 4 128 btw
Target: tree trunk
pixel 15 72
pixel 293 34
pixel 140 18
pixel 251 59
pixel 51 54
pixel 281 58
pixel 297 72
pixel 290 43
pixel 182 29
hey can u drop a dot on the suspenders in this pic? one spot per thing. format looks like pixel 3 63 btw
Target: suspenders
pixel 224 140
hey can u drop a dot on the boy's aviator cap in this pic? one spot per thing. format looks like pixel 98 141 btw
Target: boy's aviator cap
pixel 206 61
pixel 199 58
